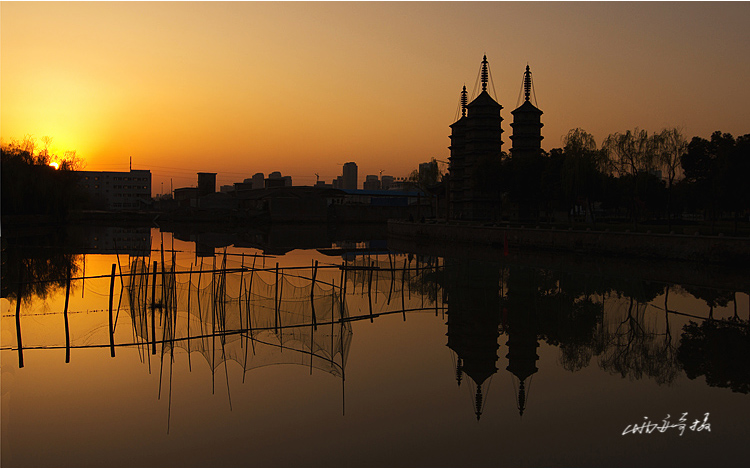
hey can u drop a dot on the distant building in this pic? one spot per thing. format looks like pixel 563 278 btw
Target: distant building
pixel 425 169
pixel 259 181
pixel 227 188
pixel 184 195
pixel 338 183
pixel 386 182
pixel 114 190
pixel 372 183
pixel 275 179
pixel 206 183
pixel 527 125
pixel 475 140
pixel 282 203
pixel 349 176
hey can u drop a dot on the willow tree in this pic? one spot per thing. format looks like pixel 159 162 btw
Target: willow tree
pixel 581 173
pixel 670 145
pixel 633 156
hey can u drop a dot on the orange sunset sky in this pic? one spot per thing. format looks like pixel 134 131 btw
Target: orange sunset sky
pixel 238 88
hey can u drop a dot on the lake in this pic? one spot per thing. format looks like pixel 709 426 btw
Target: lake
pixel 320 346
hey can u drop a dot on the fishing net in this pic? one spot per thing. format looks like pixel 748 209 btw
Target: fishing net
pixel 252 317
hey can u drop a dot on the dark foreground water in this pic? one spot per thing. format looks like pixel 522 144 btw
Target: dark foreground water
pixel 420 360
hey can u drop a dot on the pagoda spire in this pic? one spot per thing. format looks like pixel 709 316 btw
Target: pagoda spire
pixel 485 73
pixel 459 371
pixel 521 399
pixel 478 402
pixel 527 83
pixel 464 102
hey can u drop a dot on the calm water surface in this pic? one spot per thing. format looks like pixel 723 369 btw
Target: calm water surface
pixel 420 360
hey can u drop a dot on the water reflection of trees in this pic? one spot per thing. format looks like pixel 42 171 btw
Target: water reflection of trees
pixel 38 265
pixel 718 351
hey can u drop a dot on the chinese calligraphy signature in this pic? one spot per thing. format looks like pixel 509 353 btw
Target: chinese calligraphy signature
pixel 681 424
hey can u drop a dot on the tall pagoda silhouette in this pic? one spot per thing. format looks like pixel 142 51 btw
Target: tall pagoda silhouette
pixel 476 148
pixel 475 141
pixel 527 125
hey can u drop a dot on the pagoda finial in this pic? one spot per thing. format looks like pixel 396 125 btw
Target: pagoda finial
pixel 527 83
pixel 521 399
pixel 478 402
pixel 485 74
pixel 464 101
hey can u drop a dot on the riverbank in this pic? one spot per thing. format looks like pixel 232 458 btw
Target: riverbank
pixel 696 248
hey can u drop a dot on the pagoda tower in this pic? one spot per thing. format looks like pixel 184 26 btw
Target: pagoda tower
pixel 527 126
pixel 475 140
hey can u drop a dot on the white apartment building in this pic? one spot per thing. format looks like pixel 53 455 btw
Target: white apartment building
pixel 113 190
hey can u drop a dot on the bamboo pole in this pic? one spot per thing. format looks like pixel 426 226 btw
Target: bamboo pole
pixel 249 293
pixel 333 314
pixel 244 364
pixel 117 253
pixel 409 272
pixel 392 272
pixel 19 299
pixel 376 265
pixel 144 318
pixel 239 299
pixel 437 264
pixel 343 291
pixel 153 310
pixel 369 291
pixel 162 318
pixel 312 295
pixel 281 295
pixel 65 315
pixel 403 293
pixel 111 322
pixel 276 301
pixel 83 278
pixel 190 284
pixel 213 327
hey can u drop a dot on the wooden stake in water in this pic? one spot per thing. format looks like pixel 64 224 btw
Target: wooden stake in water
pixel 111 324
pixel 403 293
pixel 276 301
pixel 83 276
pixel 239 300
pixel 312 295
pixel 369 290
pixel 65 315
pixel 153 310
pixel 343 288
pixel 393 278
pixel 190 284
pixel 19 298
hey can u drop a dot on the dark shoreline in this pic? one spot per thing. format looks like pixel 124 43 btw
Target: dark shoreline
pixel 724 250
